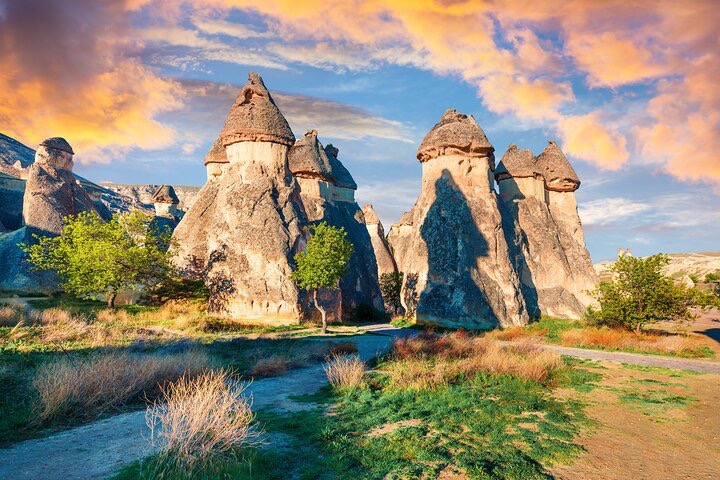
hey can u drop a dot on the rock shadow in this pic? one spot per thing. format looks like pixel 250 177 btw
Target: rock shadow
pixel 452 295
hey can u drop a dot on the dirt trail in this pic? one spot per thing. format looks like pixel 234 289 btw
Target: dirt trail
pixel 100 449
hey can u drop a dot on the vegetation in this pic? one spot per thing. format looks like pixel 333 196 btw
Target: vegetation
pixel 345 371
pixel 323 263
pixel 574 333
pixel 712 277
pixel 196 421
pixel 640 294
pixel 95 258
pixel 390 287
pixel 478 425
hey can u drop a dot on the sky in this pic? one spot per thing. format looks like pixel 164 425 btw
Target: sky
pixel 630 91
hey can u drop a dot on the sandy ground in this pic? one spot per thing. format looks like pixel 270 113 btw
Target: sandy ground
pixel 667 443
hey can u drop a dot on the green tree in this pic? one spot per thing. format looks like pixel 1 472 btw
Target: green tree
pixel 323 263
pixel 93 257
pixel 640 293
pixel 390 286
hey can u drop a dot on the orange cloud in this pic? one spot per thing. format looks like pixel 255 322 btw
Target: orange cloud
pixel 585 136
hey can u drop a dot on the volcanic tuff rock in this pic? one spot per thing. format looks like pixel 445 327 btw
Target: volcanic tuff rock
pixel 317 171
pixel 51 192
pixel 244 228
pixel 216 159
pixel 453 252
pixel 383 255
pixel 544 232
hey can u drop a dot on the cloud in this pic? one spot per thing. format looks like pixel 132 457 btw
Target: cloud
pixel 609 211
pixel 585 136
pixel 533 99
pixel 236 30
pixel 390 198
pixel 66 70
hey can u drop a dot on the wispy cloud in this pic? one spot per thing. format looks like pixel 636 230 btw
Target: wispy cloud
pixel 608 211
pixel 390 199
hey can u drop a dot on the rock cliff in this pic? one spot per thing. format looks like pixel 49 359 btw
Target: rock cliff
pixel 383 254
pixel 327 192
pixel 453 250
pixel 244 228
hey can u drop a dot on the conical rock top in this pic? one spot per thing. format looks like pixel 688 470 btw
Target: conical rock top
pixel 254 117
pixel 166 194
pixel 455 133
pixel 559 174
pixel 370 215
pixel 342 175
pixel 58 143
pixel 307 158
pixel 217 153
pixel 516 163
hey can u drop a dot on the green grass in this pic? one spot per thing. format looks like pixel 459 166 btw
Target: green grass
pixel 489 426
pixel 655 403
pixel 661 371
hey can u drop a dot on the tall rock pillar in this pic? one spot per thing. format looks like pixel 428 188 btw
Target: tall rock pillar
pixel 244 229
pixel 453 251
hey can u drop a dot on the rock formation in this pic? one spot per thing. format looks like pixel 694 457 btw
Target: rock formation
pixel 383 255
pixel 244 228
pixel 216 160
pixel 328 194
pixel 165 201
pixel 51 191
pixel 554 274
pixel 451 247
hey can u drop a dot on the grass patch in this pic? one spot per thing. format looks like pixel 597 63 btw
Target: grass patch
pixel 575 333
pixel 661 371
pixel 655 403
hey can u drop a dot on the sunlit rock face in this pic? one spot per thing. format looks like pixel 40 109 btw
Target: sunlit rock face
pixel 544 232
pixel 51 191
pixel 451 246
pixel 327 192
pixel 383 254
pixel 244 228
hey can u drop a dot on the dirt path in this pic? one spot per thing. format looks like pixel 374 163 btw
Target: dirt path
pixel 100 449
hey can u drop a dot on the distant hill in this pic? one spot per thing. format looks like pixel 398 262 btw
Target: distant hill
pixel 14 154
pixel 681 264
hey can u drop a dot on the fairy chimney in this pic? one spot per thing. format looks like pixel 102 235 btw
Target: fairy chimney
pixel 216 160
pixel 244 229
pixel 383 254
pixel 459 266
pixel 165 201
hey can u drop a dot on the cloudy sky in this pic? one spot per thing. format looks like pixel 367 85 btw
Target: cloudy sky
pixel 630 90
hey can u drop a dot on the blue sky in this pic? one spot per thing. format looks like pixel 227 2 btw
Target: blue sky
pixel 141 89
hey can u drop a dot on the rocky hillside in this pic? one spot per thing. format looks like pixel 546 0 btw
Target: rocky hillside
pixel 694 265
pixel 142 194
pixel 14 156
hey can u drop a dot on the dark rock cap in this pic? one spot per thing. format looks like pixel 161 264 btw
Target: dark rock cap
pixel 342 175
pixel 455 133
pixel 217 153
pixel 254 117
pixel 517 163
pixel 559 174
pixel 308 159
pixel 58 143
pixel 165 194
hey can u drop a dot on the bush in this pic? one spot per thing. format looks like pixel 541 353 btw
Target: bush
pixel 345 371
pixel 390 287
pixel 640 294
pixel 85 388
pixel 198 419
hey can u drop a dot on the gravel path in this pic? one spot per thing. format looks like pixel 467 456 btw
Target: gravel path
pixel 100 449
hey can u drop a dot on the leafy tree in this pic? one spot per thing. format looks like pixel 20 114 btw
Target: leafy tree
pixel 93 257
pixel 390 286
pixel 640 293
pixel 323 263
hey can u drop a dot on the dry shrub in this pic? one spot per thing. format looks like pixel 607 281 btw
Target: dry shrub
pixel 428 361
pixel 109 316
pixel 345 371
pixel 86 387
pixel 273 366
pixel 198 419
pixel 614 339
pixel 343 348
pixel 509 334
pixel 58 325
pixel 11 316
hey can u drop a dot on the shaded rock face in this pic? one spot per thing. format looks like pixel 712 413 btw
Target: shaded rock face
pixel 244 228
pixel 383 254
pixel 451 247
pixel 12 190
pixel 317 173
pixel 51 191
pixel 544 232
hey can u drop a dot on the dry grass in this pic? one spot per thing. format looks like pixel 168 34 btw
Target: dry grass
pixel 58 325
pixel 613 339
pixel 11 316
pixel 268 363
pixel 273 366
pixel 84 388
pixel 198 419
pixel 428 361
pixel 345 371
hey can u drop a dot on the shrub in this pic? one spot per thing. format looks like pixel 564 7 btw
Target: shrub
pixel 640 294
pixel 87 387
pixel 390 287
pixel 11 316
pixel 345 371
pixel 198 419
pixel 273 366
